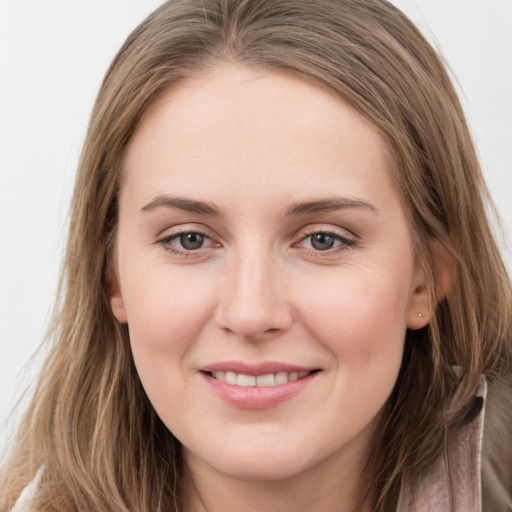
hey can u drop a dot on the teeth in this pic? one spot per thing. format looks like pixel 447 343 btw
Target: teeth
pixel 270 379
pixel 281 378
pixel 231 378
pixel 246 380
pixel 265 380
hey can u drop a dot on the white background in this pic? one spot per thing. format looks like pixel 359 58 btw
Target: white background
pixel 53 55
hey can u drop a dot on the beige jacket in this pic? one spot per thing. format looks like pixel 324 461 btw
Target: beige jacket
pixel 474 475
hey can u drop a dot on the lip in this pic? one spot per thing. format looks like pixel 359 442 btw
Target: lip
pixel 255 368
pixel 256 397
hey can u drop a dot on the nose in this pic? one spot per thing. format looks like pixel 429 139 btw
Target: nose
pixel 253 301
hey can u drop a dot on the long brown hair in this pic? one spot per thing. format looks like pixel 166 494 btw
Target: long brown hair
pixel 90 426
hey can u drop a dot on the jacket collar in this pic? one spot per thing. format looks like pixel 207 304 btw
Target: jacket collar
pixel 453 483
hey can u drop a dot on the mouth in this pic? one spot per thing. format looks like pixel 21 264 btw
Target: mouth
pixel 265 380
pixel 257 386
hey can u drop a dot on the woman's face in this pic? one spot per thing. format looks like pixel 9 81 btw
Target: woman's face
pixel 265 270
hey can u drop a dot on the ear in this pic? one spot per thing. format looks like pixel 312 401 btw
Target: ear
pixel 419 313
pixel 116 298
pixel 444 269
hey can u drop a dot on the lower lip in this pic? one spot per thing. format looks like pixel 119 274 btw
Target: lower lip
pixel 257 397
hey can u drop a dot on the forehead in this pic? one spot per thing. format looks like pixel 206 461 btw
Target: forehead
pixel 249 128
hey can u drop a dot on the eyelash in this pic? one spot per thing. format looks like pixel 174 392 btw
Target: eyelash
pixel 184 253
pixel 345 242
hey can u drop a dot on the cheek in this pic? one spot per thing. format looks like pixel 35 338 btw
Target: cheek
pixel 165 310
pixel 359 316
pixel 166 314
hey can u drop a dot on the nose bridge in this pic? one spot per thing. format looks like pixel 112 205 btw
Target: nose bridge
pixel 254 302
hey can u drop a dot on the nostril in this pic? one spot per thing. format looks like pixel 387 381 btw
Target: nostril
pixel 250 319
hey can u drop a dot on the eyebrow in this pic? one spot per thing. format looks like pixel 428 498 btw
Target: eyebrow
pixel 183 204
pixel 295 209
pixel 327 205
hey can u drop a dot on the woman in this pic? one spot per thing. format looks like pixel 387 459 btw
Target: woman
pixel 280 290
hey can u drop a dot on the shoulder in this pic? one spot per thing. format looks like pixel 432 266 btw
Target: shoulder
pixel 497 446
pixel 474 473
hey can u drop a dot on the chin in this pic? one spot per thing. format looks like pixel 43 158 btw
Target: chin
pixel 253 463
pixel 263 470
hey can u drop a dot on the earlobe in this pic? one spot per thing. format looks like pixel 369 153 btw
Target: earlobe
pixel 117 305
pixel 418 315
pixel 116 299
pixel 420 312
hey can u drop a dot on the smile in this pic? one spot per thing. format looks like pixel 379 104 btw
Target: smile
pixel 257 386
pixel 267 380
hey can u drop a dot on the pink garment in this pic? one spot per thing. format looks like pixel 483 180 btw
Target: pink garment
pixel 23 503
pixel 453 483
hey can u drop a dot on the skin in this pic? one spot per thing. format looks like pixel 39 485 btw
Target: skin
pixel 252 144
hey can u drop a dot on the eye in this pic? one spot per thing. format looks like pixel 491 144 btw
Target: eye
pixel 325 241
pixel 190 241
pixel 322 241
pixel 186 242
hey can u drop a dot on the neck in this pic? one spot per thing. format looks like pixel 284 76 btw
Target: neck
pixel 330 486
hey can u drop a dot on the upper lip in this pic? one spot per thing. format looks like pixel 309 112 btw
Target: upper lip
pixel 255 369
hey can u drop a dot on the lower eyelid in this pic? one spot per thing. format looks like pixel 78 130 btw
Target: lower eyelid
pixel 342 243
pixel 167 243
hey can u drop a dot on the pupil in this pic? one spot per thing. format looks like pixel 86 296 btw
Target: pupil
pixel 322 242
pixel 191 241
